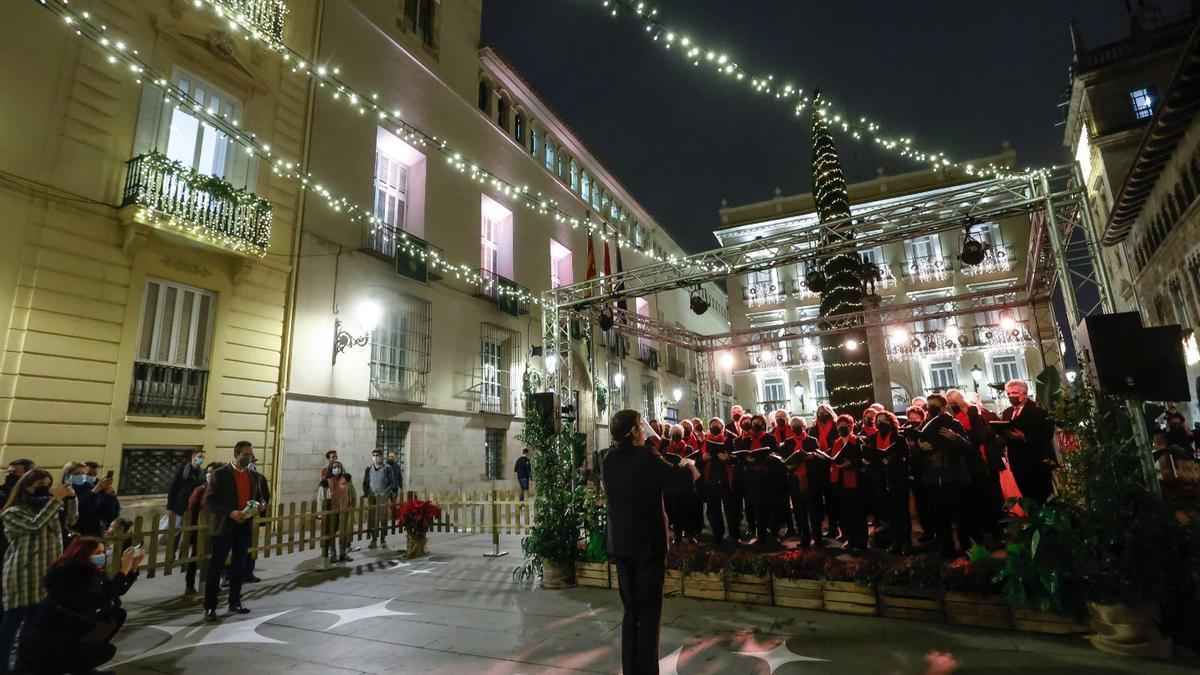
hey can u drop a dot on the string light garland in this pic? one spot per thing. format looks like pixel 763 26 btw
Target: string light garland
pixel 727 68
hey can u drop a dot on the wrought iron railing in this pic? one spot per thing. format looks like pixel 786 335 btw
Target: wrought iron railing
pixel 1015 336
pixel 197 205
pixel 676 366
pixel 767 407
pixel 758 295
pixel 934 343
pixel 504 291
pixel 928 268
pixel 265 15
pixel 167 391
pixel 726 389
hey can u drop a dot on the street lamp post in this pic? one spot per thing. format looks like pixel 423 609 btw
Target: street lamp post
pixel 799 391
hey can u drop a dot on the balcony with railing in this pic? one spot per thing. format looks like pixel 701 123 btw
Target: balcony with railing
pixel 764 294
pixel 926 269
pixel 1008 335
pixel 767 407
pixel 265 16
pixel 800 290
pixel 946 343
pixel 414 257
pixel 676 365
pixel 511 297
pixel 167 391
pixel 726 389
pixel 174 198
pixel 996 260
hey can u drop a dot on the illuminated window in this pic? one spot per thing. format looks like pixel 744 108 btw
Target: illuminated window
pixel 1004 368
pixel 420 18
pixel 549 154
pixel 1143 103
pixel 942 375
pixel 560 265
pixel 193 142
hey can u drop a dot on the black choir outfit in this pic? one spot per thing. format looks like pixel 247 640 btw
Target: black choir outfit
pixel 1033 458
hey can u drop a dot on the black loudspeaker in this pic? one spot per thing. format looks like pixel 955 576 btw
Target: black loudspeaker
pixel 1164 370
pixel 1111 345
pixel 1145 364
pixel 547 404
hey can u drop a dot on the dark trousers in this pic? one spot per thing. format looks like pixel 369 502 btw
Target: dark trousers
pixel 14 623
pixel 1034 481
pixel 804 513
pixel 833 511
pixel 233 545
pixel 899 521
pixel 984 500
pixel 924 512
pixel 853 516
pixel 191 550
pixel 946 506
pixel 723 511
pixel 641 595
pixel 748 509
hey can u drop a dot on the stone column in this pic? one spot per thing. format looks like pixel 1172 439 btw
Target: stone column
pixel 881 377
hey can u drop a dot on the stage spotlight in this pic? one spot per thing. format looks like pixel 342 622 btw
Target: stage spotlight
pixel 1007 323
pixel 699 302
pixel 605 319
pixel 852 344
pixel 727 360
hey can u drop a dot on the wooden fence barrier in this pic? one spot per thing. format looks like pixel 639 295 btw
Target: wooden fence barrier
pixel 301 526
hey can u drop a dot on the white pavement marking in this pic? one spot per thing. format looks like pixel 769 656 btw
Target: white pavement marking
pixel 398 565
pixel 669 664
pixel 346 616
pixel 778 657
pixel 420 572
pixel 202 634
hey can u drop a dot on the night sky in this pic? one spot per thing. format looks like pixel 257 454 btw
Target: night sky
pixel 958 76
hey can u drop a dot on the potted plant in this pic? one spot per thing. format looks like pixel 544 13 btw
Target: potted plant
pixel 748 578
pixel 1130 547
pixel 591 569
pixel 704 577
pixel 416 516
pixel 1039 575
pixel 796 578
pixel 551 548
pixel 848 585
pixel 909 588
pixel 971 595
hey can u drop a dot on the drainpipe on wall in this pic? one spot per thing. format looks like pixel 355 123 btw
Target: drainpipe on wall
pixel 285 372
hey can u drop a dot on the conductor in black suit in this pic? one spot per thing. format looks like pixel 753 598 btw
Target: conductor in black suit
pixel 635 477
pixel 1029 437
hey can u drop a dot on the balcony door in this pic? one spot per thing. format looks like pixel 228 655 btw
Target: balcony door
pixel 193 142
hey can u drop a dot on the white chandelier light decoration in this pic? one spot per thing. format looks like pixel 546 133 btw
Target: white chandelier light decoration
pixel 758 295
pixel 947 343
pixel 995 260
pixel 930 269
pixel 1010 335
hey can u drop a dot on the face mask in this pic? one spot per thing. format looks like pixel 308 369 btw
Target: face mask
pixel 715 431
pixel 243 462
pixel 336 471
pixel 91 480
pixel 843 430
pixel 758 428
pixel 377 461
pixel 823 417
pixel 100 560
pixel 934 411
pixel 1014 400
pixel 77 480
pixel 798 431
pixel 677 438
pixel 252 466
pixel 954 408
pixel 885 427
pixel 41 491
pixel 199 461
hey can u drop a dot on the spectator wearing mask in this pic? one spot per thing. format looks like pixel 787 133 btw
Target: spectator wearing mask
pixel 264 496
pixel 98 504
pixel 331 456
pixel 34 532
pixel 191 544
pixel 395 464
pixel 380 486
pixel 16 469
pixel 524 470
pixel 335 495
pixel 189 477
pixel 801 461
pixel 72 630
pixel 719 472
pixel 943 444
pixel 1029 438
pixel 845 474
pixel 232 499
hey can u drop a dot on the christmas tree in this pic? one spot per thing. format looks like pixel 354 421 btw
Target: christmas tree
pixel 847 362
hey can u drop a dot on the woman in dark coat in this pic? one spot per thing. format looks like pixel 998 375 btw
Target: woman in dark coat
pixel 72 630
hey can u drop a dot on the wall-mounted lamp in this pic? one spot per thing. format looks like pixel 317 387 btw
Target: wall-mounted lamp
pixel 367 315
pixel 677 394
pixel 977 376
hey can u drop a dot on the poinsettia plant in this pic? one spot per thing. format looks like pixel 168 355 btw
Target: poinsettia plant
pixel 417 515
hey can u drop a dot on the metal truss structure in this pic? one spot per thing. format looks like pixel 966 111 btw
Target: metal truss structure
pixel 1063 251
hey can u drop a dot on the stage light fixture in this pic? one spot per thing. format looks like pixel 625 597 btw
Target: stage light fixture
pixel 698 302
pixel 727 360
pixel 852 344
pixel 605 319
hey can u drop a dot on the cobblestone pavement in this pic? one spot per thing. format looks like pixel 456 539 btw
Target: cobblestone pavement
pixel 456 611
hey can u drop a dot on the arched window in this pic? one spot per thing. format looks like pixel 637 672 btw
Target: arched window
pixel 585 189
pixel 502 112
pixel 535 141
pixel 519 129
pixel 485 97
pixel 574 176
pixel 549 154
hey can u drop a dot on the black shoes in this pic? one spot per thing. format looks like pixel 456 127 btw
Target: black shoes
pixel 250 579
pixel 210 615
pixel 239 609
pixel 190 590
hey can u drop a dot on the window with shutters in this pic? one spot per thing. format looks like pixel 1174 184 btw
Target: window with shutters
pixel 170 370
pixel 193 142
pixel 942 375
pixel 1005 368
pixel 400 351
pixel 549 154
pixel 399 187
pixel 535 142
pixel 420 18
pixel 649 397
pixel 499 355
pixel 495 245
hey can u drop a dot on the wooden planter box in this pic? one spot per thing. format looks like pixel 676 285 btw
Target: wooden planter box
pixel 900 602
pixel 612 577
pixel 748 588
pixel 673 584
pixel 847 597
pixel 974 609
pixel 591 574
pixel 1053 623
pixel 704 586
pixel 798 593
